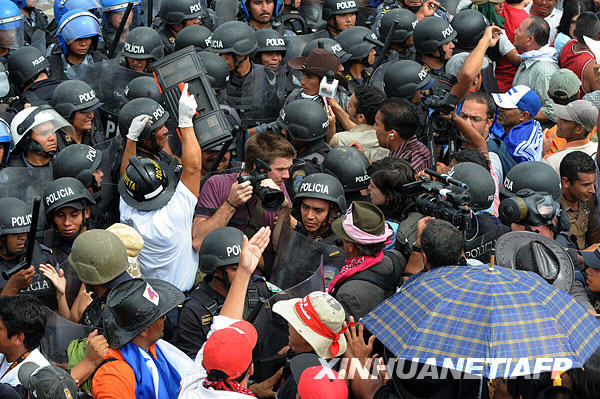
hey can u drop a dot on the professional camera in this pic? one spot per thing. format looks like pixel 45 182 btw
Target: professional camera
pixel 530 208
pixel 270 198
pixel 437 199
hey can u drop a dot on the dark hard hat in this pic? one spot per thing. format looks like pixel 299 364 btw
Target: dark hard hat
pixel 328 44
pixel 79 161
pixel 353 41
pixel 25 64
pixel 63 192
pixel 234 37
pixel 304 120
pixel 269 40
pixel 15 216
pixel 322 186
pixel 193 35
pixel 349 165
pixel 480 182
pixel 72 96
pixel 142 106
pixel 143 87
pixel 470 26
pixel 431 33
pixel 143 43
pixel 147 184
pixel 216 69
pixel 534 175
pixel 403 78
pixel 336 7
pixel 220 247
pixel 174 12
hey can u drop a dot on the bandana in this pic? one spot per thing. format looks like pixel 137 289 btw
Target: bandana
pixel 360 236
pixel 232 386
pixel 308 314
pixel 353 266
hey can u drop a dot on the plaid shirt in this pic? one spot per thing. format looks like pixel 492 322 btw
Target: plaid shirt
pixel 415 153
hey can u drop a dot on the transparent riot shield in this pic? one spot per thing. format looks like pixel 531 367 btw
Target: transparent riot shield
pixel 106 210
pixel 377 77
pixel 109 80
pixel 263 96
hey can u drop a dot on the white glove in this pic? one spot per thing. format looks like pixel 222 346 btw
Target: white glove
pixel 137 126
pixel 187 108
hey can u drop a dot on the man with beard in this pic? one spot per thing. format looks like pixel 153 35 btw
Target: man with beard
pixel 261 14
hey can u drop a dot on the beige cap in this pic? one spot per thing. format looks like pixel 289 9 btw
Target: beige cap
pixel 133 242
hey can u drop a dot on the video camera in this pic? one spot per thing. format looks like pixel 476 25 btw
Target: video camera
pixel 437 199
pixel 270 198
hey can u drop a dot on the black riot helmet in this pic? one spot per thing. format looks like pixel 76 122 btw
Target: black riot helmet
pixel 234 37
pixel 534 175
pixel 143 87
pixel 66 191
pixel 322 186
pixel 349 165
pixel 336 7
pixel 431 33
pixel 142 106
pixel 79 161
pixel 403 78
pixel 25 64
pixel 328 44
pixel 143 43
pixel 193 35
pixel 304 120
pixel 147 185
pixel 174 12
pixel 15 218
pixel 220 247
pixel 469 26
pixel 480 182
pixel 405 25
pixel 269 40
pixel 74 95
pixel 354 41
pixel 216 69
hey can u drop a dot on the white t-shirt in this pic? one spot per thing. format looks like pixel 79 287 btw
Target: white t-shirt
pixel 12 377
pixel 553 20
pixel 167 232
pixel 556 158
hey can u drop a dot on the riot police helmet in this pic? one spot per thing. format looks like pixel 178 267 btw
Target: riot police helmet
pixel 234 37
pixel 403 78
pixel 470 26
pixel 304 120
pixel 331 8
pixel 74 96
pixel 61 7
pixel 354 41
pixel 481 186
pixel 11 22
pixel 143 87
pixel 220 247
pixel 431 33
pixel 78 24
pixel 322 186
pixel 193 35
pixel 328 44
pixel 405 25
pixel 25 64
pixel 269 40
pixel 113 11
pixel 15 216
pixel 66 191
pixel 143 43
pixel 277 6
pixel 143 106
pixel 42 120
pixel 534 175
pixel 174 12
pixel 216 69
pixel 349 165
pixel 79 161
pixel 147 185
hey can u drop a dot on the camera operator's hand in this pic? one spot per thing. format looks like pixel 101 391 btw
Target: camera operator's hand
pixel 428 9
pixel 239 193
pixel 19 281
pixel 138 124
pixel 491 35
pixel 187 108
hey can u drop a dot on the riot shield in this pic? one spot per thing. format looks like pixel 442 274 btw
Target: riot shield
pixel 109 80
pixel 263 96
pixel 298 257
pixel 225 11
pixel 295 44
pixel 377 77
pixel 107 202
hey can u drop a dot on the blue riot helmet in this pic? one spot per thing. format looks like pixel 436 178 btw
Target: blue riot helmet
pixel 5 142
pixel 78 24
pixel 61 7
pixel 20 3
pixel 11 25
pixel 113 11
pixel 276 10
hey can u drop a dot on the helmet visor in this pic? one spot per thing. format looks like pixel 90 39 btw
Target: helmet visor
pixel 79 26
pixel 46 122
pixel 112 16
pixel 11 32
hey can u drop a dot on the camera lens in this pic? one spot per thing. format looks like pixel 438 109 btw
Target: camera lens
pixel 270 199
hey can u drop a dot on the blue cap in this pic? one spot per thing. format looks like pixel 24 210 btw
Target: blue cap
pixel 521 97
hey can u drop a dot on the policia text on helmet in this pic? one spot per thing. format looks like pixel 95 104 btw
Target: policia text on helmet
pixel 235 41
pixel 340 15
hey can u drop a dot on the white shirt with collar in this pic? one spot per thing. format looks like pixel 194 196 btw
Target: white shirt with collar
pixel 553 20
pixel 12 377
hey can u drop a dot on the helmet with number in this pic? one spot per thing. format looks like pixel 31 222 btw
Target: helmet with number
pixel 405 25
pixel 269 40
pixel 66 191
pixel 534 175
pixel 220 247
pixel 5 142
pixel 216 69
pixel 349 165
pixel 15 216
pixel 322 186
pixel 113 11
pixel 354 41
pixel 11 22
pixel 42 120
pixel 328 44
pixel 143 87
pixel 403 78
pixel 234 37
pixel 277 6
pixel 142 106
pixel 147 184
pixel 193 35
pixel 431 33
pixel 304 120
pixel 174 12
pixel 79 161
pixel 74 96
pixel 480 182
pixel 332 8
pixel 143 44
pixel 25 64
pixel 469 26
pixel 61 7
pixel 78 24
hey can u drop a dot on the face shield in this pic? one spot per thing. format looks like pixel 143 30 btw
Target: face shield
pixel 43 121
pixel 11 32
pixel 113 14
pixel 80 25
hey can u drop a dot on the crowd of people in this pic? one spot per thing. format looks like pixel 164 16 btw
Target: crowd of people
pixel 221 199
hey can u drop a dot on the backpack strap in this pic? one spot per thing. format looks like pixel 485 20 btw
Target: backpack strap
pixel 210 304
pixel 387 283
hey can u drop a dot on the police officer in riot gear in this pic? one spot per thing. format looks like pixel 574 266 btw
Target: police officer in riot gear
pixel 340 15
pixel 15 221
pixel 328 44
pixel 262 14
pixel 195 35
pixel 33 132
pixel 318 202
pixel 422 9
pixel 176 15
pixel 271 48
pixel 357 70
pixel 305 124
pixel 142 47
pixel 349 165
pixel 76 101
pixel 219 257
pixel 292 19
pixel 28 70
pixel 433 43
pixel 402 44
pixel 11 27
pixel 112 14
pixel 34 21
pixel 143 87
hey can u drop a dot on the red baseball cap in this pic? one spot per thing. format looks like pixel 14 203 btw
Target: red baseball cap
pixel 239 339
pixel 311 387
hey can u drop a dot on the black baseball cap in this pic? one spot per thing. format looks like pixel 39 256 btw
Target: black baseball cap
pixel 49 382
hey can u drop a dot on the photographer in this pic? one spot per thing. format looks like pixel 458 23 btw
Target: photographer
pixel 225 202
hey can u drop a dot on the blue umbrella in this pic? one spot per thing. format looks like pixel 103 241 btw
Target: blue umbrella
pixel 507 322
